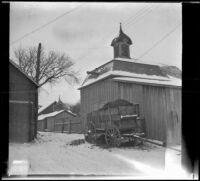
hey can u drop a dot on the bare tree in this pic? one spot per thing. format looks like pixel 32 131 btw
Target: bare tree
pixel 53 65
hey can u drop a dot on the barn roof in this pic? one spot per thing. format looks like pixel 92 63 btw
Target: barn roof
pixel 21 71
pixel 130 70
pixel 43 116
pixel 45 106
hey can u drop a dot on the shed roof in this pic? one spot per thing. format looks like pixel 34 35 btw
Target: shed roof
pixel 43 116
pixel 21 71
pixel 128 68
pixel 45 106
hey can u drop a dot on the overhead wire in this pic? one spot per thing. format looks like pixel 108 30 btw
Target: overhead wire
pixel 46 24
pixel 149 10
pixel 135 16
pixel 159 41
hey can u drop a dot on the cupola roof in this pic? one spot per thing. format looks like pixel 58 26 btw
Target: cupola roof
pixel 122 36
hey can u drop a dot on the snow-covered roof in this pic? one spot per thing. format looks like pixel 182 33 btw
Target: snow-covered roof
pixel 129 70
pixel 43 116
pixel 172 81
pixel 69 111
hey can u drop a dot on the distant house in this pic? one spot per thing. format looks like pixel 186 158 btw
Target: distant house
pixel 62 121
pixel 22 105
pixel 155 88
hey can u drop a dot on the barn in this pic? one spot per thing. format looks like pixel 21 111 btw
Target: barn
pixel 156 88
pixel 22 105
pixel 61 121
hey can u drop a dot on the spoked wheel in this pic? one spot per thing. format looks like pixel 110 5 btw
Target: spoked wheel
pixel 112 137
pixel 91 133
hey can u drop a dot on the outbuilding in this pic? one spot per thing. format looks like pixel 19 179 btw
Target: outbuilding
pixel 22 105
pixel 61 121
pixel 156 88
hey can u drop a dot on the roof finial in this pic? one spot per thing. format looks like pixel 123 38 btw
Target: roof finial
pixel 59 100
pixel 120 28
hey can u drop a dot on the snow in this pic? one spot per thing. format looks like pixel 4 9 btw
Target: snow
pixel 171 81
pixel 128 116
pixel 125 59
pixel 51 153
pixel 43 116
pixel 71 112
pixel 126 74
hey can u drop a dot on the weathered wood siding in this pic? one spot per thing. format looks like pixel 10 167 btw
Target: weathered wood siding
pixel 95 96
pixel 160 106
pixel 22 89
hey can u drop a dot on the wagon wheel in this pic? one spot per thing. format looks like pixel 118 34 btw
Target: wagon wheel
pixel 112 137
pixel 91 132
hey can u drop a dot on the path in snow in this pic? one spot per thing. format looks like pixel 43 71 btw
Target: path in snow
pixel 52 154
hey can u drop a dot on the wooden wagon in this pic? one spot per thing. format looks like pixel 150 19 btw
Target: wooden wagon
pixel 118 121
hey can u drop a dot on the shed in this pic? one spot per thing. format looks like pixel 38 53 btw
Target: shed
pixel 22 105
pixel 62 121
pixel 154 88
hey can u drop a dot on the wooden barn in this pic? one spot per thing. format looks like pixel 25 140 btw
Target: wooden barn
pixel 157 90
pixel 22 105
pixel 62 121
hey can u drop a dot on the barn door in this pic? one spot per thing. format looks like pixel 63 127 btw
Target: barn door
pixel 20 118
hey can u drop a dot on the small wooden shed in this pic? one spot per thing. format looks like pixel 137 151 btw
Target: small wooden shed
pixel 156 90
pixel 61 121
pixel 22 105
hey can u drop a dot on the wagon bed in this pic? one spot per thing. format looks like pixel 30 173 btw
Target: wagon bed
pixel 116 121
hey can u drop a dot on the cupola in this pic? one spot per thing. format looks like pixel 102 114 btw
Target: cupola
pixel 121 45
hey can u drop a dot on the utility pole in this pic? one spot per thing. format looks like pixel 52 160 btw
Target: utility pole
pixel 37 81
pixel 38 63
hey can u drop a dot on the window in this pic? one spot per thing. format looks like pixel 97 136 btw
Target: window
pixel 125 50
pixel 116 51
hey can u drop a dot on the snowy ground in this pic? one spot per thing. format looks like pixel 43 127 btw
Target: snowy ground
pixel 51 153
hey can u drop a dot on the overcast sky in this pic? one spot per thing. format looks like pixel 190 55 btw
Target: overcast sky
pixel 86 32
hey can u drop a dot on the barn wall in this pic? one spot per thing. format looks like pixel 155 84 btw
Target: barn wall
pixel 160 106
pixel 50 124
pixel 62 122
pixel 95 96
pixel 22 89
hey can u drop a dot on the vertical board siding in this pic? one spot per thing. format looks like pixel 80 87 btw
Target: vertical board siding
pixel 22 89
pixel 95 96
pixel 156 104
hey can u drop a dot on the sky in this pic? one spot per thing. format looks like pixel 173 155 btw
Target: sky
pixel 84 32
